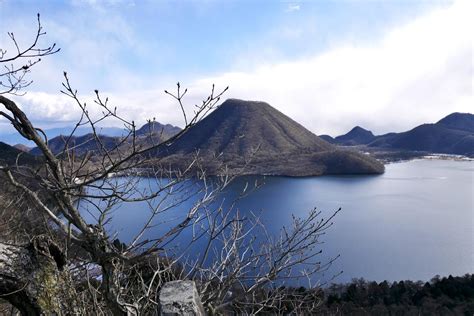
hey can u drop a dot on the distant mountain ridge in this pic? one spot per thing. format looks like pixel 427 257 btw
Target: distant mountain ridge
pixel 460 121
pixel 151 132
pixel 356 136
pixel 156 128
pixel 239 131
pixel 10 155
pixel 79 144
pixel 453 134
pixel 22 147
pixel 15 138
pixel 432 138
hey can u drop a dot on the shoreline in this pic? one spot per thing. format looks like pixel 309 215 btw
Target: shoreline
pixel 148 172
pixel 450 157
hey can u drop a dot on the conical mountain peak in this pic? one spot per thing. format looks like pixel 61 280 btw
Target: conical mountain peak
pixel 252 137
pixel 239 127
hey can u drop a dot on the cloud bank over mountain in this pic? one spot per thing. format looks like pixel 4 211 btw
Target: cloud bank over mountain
pixel 415 72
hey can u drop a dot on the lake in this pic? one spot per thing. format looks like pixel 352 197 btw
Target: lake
pixel 413 222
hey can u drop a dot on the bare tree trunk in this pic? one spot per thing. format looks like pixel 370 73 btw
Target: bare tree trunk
pixel 33 278
pixel 112 291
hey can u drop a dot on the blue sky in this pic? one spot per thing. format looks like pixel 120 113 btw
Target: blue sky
pixel 321 62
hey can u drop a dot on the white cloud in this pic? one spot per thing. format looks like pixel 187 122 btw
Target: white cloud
pixel 49 110
pixel 418 72
pixel 292 7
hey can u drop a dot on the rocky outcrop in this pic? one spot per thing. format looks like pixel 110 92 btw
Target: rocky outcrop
pixel 33 278
pixel 180 298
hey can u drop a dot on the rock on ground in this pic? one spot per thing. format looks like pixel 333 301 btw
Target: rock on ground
pixel 180 298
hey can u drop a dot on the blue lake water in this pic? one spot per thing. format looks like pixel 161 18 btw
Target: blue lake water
pixel 413 222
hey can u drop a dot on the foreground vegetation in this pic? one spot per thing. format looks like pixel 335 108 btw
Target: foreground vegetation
pixel 441 296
